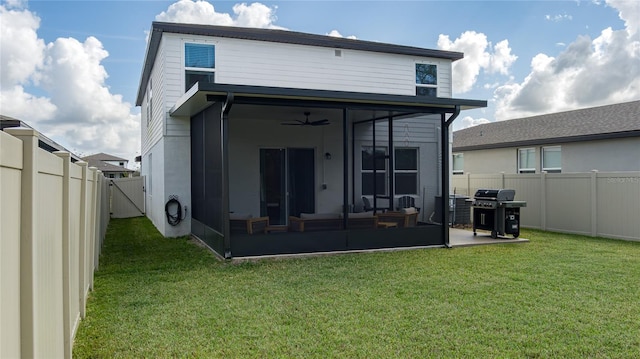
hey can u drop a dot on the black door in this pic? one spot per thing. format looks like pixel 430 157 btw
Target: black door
pixel 287 183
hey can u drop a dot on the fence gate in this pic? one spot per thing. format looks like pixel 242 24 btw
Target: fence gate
pixel 127 197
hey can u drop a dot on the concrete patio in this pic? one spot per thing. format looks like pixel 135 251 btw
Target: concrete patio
pixel 465 238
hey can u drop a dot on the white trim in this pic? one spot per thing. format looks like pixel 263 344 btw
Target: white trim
pixel 550 169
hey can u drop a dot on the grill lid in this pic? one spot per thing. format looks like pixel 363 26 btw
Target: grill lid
pixel 496 194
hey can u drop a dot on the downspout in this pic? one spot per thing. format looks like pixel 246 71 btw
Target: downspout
pixel 444 148
pixel 224 130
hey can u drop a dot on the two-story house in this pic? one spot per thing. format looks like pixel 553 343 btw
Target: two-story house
pixel 278 126
pixel 110 165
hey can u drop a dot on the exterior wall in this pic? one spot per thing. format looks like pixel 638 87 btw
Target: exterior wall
pixel 258 63
pixel 247 137
pixel 491 161
pixel 177 182
pixel 153 170
pixel 622 154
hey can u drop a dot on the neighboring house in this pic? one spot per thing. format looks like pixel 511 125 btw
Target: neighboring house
pixel 111 166
pixel 240 122
pixel 605 138
pixel 43 141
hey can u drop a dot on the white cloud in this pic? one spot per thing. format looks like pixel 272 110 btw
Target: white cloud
pixel 80 112
pixel 202 12
pixel 336 33
pixel 479 54
pixel 558 18
pixel 628 11
pixel 469 121
pixel 587 73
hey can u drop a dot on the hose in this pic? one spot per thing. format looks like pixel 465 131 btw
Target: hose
pixel 173 219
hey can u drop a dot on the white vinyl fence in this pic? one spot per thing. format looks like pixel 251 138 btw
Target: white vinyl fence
pixel 603 204
pixel 53 219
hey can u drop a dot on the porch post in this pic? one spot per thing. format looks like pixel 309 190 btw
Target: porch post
pixel 391 167
pixel 444 149
pixel 226 108
pixel 345 169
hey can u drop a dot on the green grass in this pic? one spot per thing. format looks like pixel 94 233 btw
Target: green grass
pixel 558 296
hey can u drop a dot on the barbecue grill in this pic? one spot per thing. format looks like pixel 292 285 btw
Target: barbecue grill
pixel 495 210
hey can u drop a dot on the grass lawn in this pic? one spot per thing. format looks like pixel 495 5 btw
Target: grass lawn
pixel 558 296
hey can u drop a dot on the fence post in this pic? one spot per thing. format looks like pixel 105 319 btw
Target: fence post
pixel 543 200
pixel 98 219
pixel 594 203
pixel 28 233
pixel 66 250
pixel 91 237
pixel 82 247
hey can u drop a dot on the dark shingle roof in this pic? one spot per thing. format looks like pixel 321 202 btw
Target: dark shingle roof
pixel 103 157
pixel 272 35
pixel 611 121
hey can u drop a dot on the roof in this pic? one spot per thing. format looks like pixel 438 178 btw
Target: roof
pixel 200 96
pixel 103 157
pixel 106 167
pixel 272 35
pixel 603 122
pixel 44 142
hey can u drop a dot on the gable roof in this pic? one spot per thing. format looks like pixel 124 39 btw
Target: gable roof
pixel 272 35
pixel 611 121
pixel 107 167
pixel 103 157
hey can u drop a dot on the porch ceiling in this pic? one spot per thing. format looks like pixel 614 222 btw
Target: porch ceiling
pixel 200 96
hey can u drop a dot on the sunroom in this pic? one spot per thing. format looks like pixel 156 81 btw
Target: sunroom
pixel 283 171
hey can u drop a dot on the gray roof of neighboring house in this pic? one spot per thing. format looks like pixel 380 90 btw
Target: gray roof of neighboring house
pixel 97 162
pixel 103 157
pixel 603 122
pixel 272 35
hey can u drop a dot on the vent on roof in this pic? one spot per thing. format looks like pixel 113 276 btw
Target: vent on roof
pixel 338 53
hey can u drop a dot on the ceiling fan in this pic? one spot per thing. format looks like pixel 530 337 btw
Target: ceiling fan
pixel 307 122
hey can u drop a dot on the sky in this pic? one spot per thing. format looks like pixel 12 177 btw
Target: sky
pixel 71 69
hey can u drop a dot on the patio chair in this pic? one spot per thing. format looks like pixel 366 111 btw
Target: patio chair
pixel 246 223
pixel 368 207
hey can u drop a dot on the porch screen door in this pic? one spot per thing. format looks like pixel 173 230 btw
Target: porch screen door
pixel 287 183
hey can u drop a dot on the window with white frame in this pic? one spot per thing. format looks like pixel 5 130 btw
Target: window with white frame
pixel 374 159
pixel 199 64
pixel 552 159
pixel 527 160
pixel 458 163
pixel 426 80
pixel 406 171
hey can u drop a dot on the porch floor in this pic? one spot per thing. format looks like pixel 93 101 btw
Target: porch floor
pixel 457 238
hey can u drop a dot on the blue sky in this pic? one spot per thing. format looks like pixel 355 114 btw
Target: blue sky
pixel 71 69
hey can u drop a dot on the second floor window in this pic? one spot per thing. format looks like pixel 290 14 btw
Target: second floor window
pixel 426 80
pixel 199 64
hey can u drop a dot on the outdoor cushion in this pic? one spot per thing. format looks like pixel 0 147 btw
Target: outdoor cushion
pixel 360 215
pixel 320 215
pixel 240 216
pixel 410 210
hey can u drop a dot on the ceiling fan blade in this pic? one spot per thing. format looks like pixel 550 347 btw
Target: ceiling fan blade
pixel 291 124
pixel 320 122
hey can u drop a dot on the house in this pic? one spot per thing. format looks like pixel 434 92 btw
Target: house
pixel 604 138
pixel 44 142
pixel 275 127
pixel 111 166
